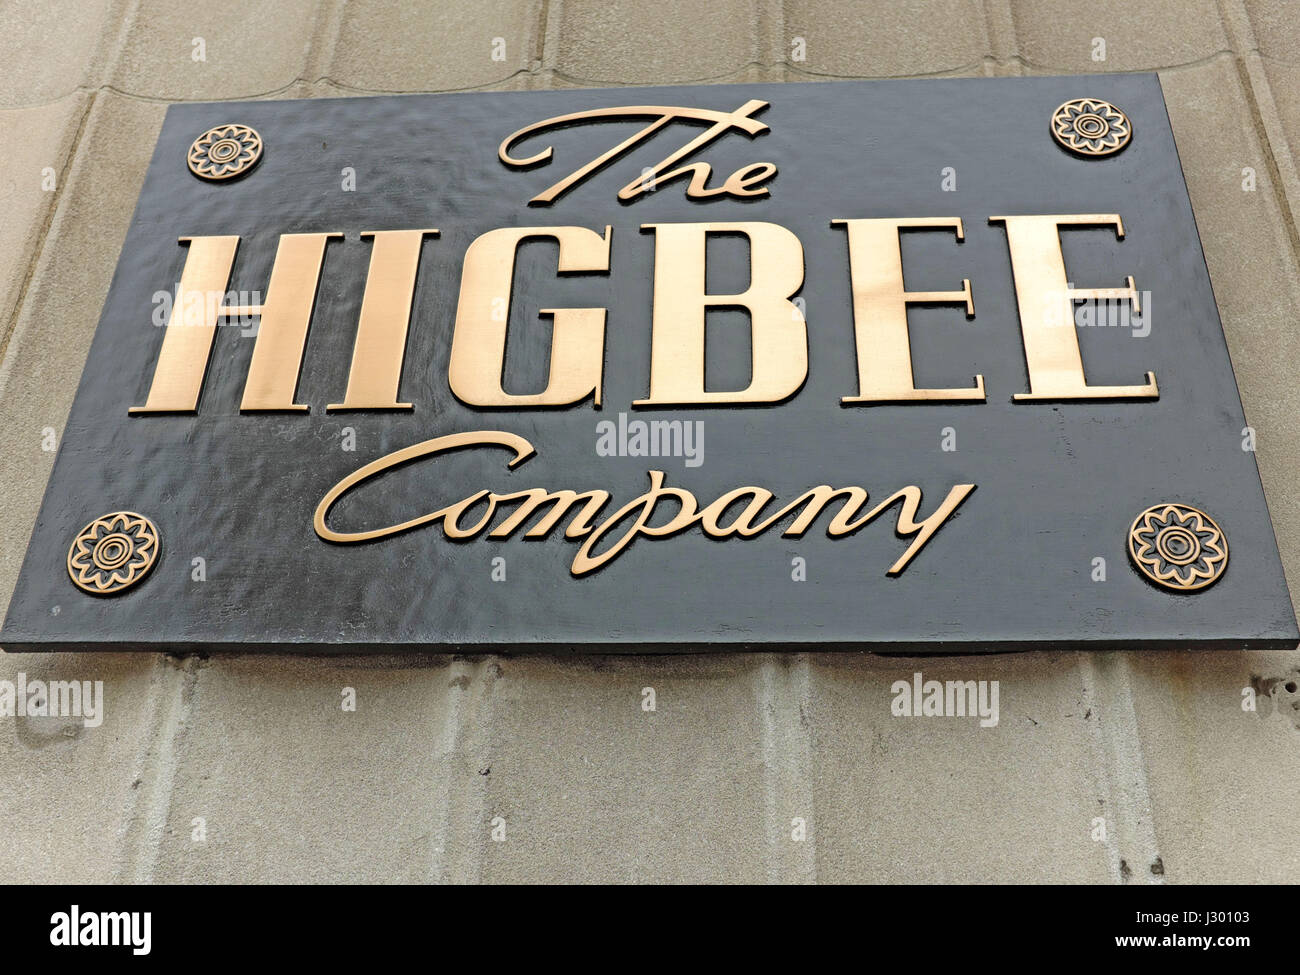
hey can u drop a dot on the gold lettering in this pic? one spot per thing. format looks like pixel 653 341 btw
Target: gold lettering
pixel 818 498
pixel 585 562
pixel 286 314
pixel 191 327
pixel 478 438
pixel 908 525
pixel 743 523
pixel 779 333
pixel 534 498
pixel 380 347
pixel 884 347
pixel 639 511
pixel 451 515
pixel 478 345
pixel 1046 303
pixel 737 184
pixel 744 182
pixel 277 353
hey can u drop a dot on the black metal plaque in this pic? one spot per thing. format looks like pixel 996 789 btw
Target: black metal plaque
pixel 1124 521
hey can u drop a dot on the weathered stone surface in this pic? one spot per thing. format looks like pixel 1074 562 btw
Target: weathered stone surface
pixel 673 41
pixel 51 48
pixel 214 52
pixel 593 787
pixel 1222 779
pixel 881 40
pixel 70 793
pixel 35 145
pixel 1258 297
pixel 1062 38
pixel 385 45
pixel 291 788
pixel 944 799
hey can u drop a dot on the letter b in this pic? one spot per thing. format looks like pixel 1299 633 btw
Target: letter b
pixel 780 334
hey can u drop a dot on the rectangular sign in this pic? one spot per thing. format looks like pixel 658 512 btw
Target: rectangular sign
pixel 902 366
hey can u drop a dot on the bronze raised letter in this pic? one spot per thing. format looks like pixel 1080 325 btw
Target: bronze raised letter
pixel 779 333
pixel 880 303
pixel 191 327
pixel 385 314
pixel 743 182
pixel 282 333
pixel 1046 303
pixel 478 345
pixel 277 352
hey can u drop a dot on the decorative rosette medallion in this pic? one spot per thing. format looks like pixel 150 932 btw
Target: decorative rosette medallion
pixel 113 553
pixel 1091 127
pixel 224 152
pixel 1178 547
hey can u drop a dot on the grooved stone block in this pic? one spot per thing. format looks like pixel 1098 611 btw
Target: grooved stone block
pixel 1276 25
pixel 1059 37
pixel 1223 780
pixel 32 140
pixel 50 48
pixel 249 48
pixel 864 38
pixel 389 45
pixel 1283 79
pixel 68 792
pixel 593 788
pixel 293 789
pixel 661 43
pixel 898 799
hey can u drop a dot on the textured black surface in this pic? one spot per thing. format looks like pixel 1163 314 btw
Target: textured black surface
pixel 1059 484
